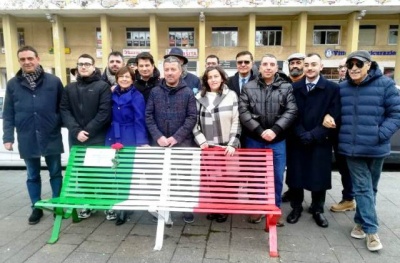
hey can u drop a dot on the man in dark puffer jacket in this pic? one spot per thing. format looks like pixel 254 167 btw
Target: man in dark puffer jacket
pixel 370 116
pixel 267 109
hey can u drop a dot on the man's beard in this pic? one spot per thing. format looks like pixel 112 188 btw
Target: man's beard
pixel 296 72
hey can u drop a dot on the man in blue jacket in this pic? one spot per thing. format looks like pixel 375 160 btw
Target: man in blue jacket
pixel 32 108
pixel 370 115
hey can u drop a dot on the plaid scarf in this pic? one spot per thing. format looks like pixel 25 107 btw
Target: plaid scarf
pixel 32 77
pixel 111 77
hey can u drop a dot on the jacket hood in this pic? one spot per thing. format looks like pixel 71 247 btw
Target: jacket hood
pixel 373 73
pixel 181 85
pixel 86 80
pixel 156 76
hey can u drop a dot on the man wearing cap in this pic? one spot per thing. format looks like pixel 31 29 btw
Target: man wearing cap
pixel 296 65
pixel 147 76
pixel 245 72
pixel 132 64
pixel 370 115
pixel 192 81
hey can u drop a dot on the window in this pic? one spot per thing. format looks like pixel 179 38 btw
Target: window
pixel 20 37
pixel 393 34
pixel 326 35
pixel 137 37
pixel 224 36
pixel 269 36
pixel 181 37
pixel 330 73
pixel 366 36
pixel 98 37
pixel 1 38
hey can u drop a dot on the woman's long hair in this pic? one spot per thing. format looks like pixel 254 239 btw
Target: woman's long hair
pixel 206 88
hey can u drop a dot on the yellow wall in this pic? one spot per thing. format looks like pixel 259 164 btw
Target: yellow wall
pixel 81 35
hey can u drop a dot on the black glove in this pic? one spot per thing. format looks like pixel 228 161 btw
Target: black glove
pixel 306 138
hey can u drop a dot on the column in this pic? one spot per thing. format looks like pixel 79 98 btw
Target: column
pixel 301 42
pixel 353 28
pixel 397 63
pixel 59 48
pixel 252 34
pixel 10 45
pixel 105 39
pixel 154 38
pixel 202 45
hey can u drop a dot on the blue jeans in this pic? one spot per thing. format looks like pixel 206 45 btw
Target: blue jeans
pixel 279 159
pixel 365 174
pixel 34 182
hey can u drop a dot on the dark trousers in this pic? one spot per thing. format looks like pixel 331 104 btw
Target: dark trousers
pixel 341 163
pixel 317 199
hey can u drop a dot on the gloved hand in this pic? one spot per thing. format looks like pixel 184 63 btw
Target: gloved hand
pixel 306 138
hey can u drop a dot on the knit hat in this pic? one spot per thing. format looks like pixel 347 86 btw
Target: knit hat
pixel 131 61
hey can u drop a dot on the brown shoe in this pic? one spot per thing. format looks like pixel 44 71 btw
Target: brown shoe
pixel 280 222
pixel 344 206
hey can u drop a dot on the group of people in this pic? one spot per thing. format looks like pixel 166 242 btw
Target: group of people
pixel 301 117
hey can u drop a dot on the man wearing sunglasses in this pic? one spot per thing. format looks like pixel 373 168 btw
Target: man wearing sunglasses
pixel 245 72
pixel 370 116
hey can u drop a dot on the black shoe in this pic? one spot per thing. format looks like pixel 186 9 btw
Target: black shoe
pixel 286 197
pixel 35 216
pixel 294 216
pixel 121 219
pixel 221 218
pixel 211 216
pixel 320 219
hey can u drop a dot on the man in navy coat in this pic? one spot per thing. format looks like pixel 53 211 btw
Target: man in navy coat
pixel 309 148
pixel 32 108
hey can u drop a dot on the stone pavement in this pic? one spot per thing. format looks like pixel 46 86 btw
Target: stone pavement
pixel 98 240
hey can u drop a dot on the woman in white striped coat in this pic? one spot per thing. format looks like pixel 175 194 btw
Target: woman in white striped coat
pixel 218 118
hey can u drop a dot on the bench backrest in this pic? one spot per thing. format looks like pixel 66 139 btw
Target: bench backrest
pixel 176 179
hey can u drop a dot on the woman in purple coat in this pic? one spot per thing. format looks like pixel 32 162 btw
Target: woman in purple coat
pixel 128 125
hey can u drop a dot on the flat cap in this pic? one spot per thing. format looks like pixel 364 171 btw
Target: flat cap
pixel 131 61
pixel 300 56
pixel 362 55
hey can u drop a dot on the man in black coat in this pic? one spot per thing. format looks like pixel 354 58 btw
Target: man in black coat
pixel 86 108
pixel 245 72
pixel 32 109
pixel 309 148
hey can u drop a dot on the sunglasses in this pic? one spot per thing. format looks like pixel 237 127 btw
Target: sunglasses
pixel 358 63
pixel 240 62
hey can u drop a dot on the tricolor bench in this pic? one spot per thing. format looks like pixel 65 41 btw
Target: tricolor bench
pixel 164 180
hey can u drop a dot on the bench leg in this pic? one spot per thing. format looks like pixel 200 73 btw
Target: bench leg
pixel 56 229
pixel 75 217
pixel 163 217
pixel 273 237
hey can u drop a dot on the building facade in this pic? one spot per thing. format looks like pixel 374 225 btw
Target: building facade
pixel 61 30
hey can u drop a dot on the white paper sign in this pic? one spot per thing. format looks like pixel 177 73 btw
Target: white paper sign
pixel 99 157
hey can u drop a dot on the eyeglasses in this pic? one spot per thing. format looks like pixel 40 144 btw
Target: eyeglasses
pixel 86 65
pixel 240 62
pixel 358 63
